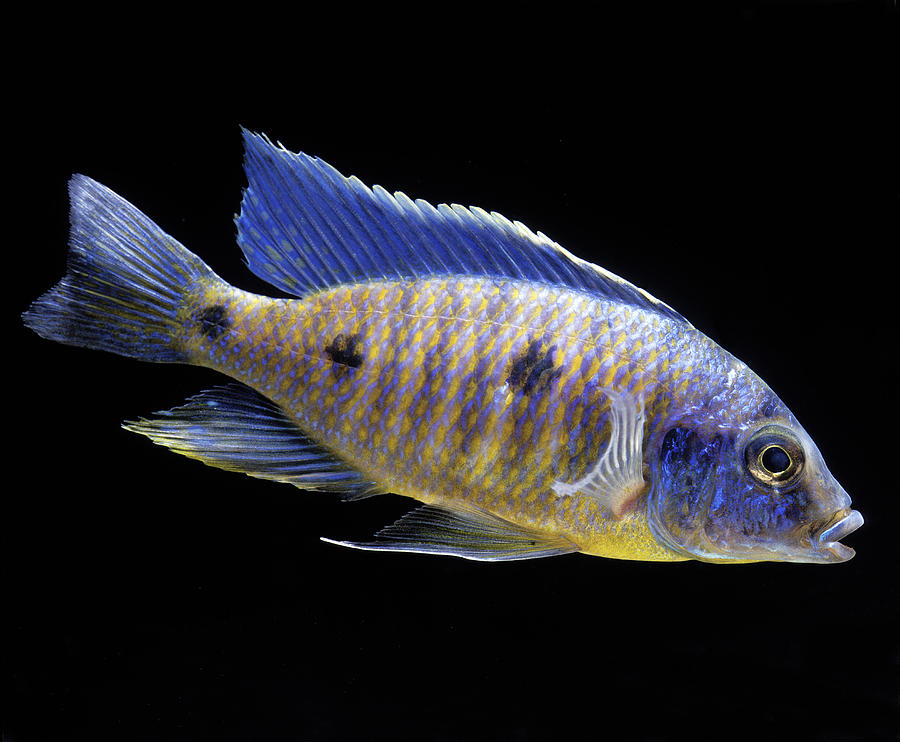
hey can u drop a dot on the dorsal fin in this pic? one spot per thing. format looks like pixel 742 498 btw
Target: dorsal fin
pixel 305 227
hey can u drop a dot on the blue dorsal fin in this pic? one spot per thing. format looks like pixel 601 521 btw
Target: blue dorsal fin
pixel 305 227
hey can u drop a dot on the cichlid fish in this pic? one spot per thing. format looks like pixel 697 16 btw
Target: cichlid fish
pixel 535 403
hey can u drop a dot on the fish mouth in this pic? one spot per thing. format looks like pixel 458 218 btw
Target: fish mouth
pixel 827 536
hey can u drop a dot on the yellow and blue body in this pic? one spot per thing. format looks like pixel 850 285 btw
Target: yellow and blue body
pixel 533 403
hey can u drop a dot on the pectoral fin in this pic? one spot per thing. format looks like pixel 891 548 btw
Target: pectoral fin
pixel 617 479
pixel 470 534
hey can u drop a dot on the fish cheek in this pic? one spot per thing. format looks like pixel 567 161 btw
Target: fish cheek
pixel 744 516
pixel 684 485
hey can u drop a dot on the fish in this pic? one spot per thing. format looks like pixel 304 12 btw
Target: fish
pixel 531 403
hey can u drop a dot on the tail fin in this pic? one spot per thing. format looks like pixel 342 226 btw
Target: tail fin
pixel 124 283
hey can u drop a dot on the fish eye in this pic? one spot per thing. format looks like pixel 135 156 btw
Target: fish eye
pixel 774 457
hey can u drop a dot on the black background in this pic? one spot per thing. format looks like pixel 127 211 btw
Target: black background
pixel 738 163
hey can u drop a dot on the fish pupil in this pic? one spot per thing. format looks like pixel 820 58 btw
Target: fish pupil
pixel 775 460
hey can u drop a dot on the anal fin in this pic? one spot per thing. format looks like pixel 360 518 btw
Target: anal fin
pixel 617 479
pixel 470 534
pixel 235 428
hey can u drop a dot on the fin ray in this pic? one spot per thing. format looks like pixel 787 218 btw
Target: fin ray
pixel 617 478
pixel 124 282
pixel 233 427
pixel 469 534
pixel 304 227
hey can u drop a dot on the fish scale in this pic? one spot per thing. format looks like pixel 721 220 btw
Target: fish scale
pixel 479 440
pixel 534 403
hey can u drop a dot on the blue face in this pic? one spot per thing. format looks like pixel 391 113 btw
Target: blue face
pixel 758 493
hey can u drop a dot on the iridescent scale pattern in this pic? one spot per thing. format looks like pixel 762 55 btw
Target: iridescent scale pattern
pixel 476 389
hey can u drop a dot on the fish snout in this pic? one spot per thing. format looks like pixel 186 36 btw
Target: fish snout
pixel 828 535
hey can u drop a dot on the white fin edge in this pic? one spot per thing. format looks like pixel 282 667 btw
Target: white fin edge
pixel 486 556
pixel 470 534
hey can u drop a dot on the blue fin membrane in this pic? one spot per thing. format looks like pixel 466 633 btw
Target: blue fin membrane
pixel 124 282
pixel 469 534
pixel 304 227
pixel 235 428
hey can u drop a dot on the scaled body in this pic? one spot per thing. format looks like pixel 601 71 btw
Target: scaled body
pixel 469 389
pixel 534 403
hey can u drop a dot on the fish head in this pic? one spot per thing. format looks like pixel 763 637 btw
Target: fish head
pixel 757 491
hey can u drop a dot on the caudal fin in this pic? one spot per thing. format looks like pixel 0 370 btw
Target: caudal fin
pixel 124 283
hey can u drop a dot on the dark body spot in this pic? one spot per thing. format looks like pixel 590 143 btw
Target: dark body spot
pixel 533 370
pixel 345 351
pixel 213 321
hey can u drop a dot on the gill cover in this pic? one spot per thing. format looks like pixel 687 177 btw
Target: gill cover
pixel 683 489
pixel 763 495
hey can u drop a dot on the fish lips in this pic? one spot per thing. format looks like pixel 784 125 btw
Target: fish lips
pixel 828 536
